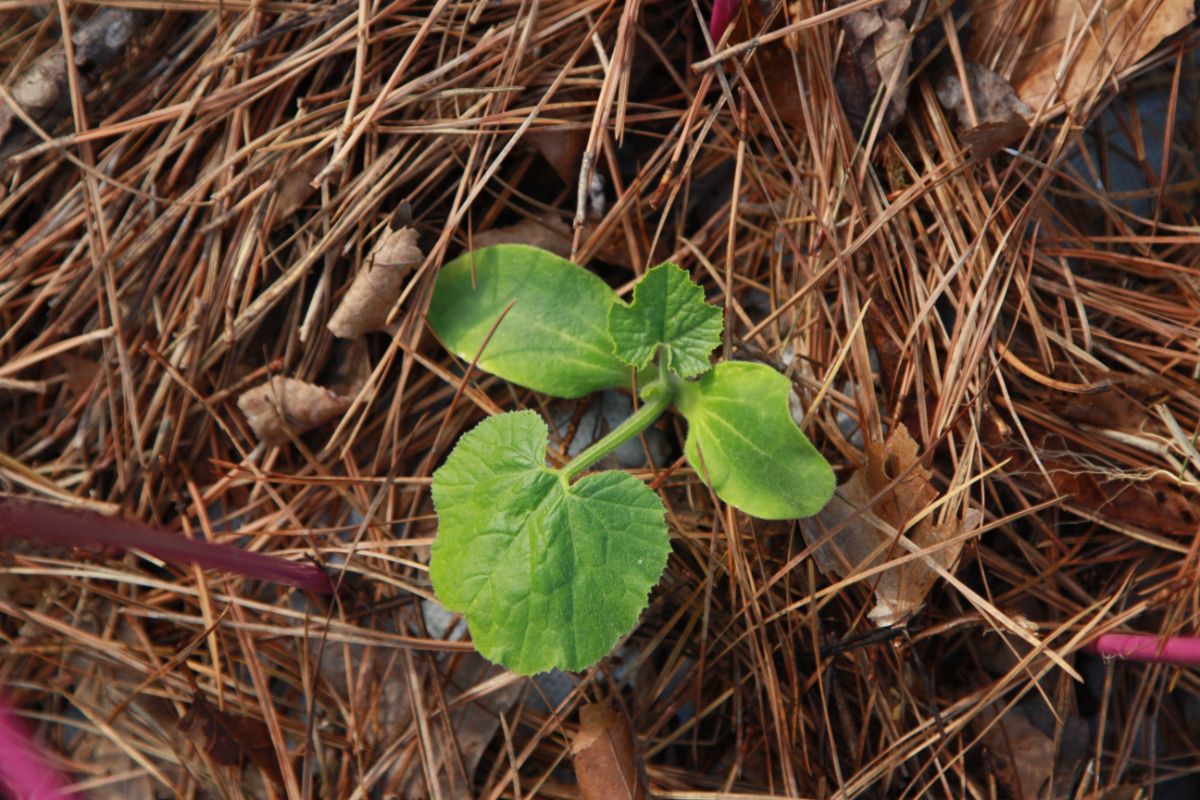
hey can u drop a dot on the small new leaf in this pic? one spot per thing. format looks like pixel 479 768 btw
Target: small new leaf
pixel 548 575
pixel 668 311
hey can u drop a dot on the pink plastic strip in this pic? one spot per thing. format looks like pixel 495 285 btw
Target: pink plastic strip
pixel 1183 651
pixel 23 773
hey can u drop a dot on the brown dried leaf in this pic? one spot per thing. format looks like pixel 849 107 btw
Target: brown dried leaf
pixel 376 679
pixel 227 738
pixel 876 48
pixel 293 190
pixel 353 368
pixel 369 300
pixel 1000 114
pixel 20 588
pixel 549 232
pixel 546 231
pixel 282 404
pixel 1114 39
pixel 1023 755
pixel 563 150
pixel 860 544
pixel 471 730
pixel 605 757
pixel 79 372
pixel 42 88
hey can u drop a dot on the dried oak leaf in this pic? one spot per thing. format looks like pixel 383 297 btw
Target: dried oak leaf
pixel 369 300
pixel 289 404
pixel 877 49
pixel 475 693
pixel 999 114
pixel 605 758
pixel 1101 42
pixel 859 544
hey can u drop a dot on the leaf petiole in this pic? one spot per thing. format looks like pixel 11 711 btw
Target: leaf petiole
pixel 655 404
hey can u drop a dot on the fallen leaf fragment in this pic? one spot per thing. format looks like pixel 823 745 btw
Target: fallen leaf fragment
pixel 1070 49
pixel 999 114
pixel 859 543
pixel 289 404
pixel 563 150
pixel 228 738
pixel 293 189
pixel 369 300
pixel 876 53
pixel 1021 750
pixel 605 758
pixel 547 232
pixel 475 692
pixel 42 88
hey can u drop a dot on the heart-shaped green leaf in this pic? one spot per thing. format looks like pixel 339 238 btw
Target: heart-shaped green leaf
pixel 667 311
pixel 554 338
pixel 549 575
pixel 741 437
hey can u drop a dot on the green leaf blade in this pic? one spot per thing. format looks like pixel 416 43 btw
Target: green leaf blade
pixel 553 340
pixel 668 311
pixel 548 575
pixel 742 439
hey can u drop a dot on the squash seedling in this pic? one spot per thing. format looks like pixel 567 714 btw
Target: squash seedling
pixel 549 566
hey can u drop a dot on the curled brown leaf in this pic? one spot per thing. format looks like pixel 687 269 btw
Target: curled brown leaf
pixel 894 488
pixel 876 54
pixel 229 738
pixel 288 404
pixel 369 300
pixel 999 115
pixel 1072 50
pixel 293 189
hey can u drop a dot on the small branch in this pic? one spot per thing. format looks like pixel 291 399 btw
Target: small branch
pixel 43 522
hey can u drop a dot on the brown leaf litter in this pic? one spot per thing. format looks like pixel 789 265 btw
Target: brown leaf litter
pixel 293 189
pixel 42 88
pixel 1094 41
pixel 876 55
pixel 283 405
pixel 995 116
pixel 549 232
pixel 894 487
pixel 605 756
pixel 1031 754
pixel 367 303
pixel 230 739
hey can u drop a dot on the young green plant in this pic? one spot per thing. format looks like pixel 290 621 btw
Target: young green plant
pixel 549 566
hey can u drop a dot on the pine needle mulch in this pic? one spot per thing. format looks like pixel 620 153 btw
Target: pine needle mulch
pixel 993 329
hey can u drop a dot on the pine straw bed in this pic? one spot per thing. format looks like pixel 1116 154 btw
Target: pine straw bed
pixel 1035 329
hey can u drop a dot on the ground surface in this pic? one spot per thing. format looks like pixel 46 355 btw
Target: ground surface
pixel 990 312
